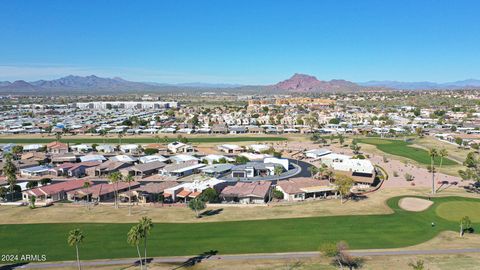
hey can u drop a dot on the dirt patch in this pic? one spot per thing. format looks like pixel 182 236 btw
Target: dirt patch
pixel 414 204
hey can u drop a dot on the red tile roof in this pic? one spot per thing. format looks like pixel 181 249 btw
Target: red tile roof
pixel 57 188
pixel 184 193
pixel 56 145
pixel 248 189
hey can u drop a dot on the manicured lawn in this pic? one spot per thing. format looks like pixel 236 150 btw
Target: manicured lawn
pixel 403 149
pixel 275 235
pixel 456 210
pixel 212 139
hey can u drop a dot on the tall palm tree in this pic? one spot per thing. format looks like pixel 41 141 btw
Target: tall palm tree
pixel 58 136
pixel 134 236
pixel 442 153
pixel 129 179
pixel 114 178
pixel 103 133
pixel 10 171
pixel 433 154
pixel 120 135
pixel 146 225
pixel 75 237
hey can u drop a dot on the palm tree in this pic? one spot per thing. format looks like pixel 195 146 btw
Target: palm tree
pixel 134 236
pixel 10 171
pixel 58 136
pixel 129 179
pixel 321 170
pixel 75 237
pixel 433 154
pixel 120 135
pixel 165 140
pixel 278 170
pixel 146 225
pixel 313 170
pixel 329 174
pixel 103 133
pixel 442 153
pixel 114 178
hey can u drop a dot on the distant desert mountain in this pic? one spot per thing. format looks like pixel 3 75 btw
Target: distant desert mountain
pixel 17 86
pixel 97 85
pixel 307 83
pixel 465 84
pixel 89 82
pixel 5 83
pixel 298 83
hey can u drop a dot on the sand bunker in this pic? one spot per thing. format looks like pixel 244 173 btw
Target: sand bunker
pixel 414 204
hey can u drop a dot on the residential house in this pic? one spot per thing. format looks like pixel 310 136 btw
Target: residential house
pixel 247 192
pixel 100 192
pixel 182 169
pixel 105 148
pixel 219 129
pixel 152 192
pixel 65 157
pixel 57 148
pixel 152 158
pixel 298 189
pixel 217 170
pixel 92 158
pixel 361 171
pixel 230 148
pixel 38 157
pixel 143 169
pixel 124 159
pixel 191 190
pixel 53 192
pixel 212 159
pixel 317 153
pixel 106 168
pixel 179 147
pixel 182 158
pixel 130 148
pixel 40 170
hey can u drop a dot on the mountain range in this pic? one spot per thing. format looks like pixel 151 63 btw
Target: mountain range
pixel 298 83
pixel 307 83
pixel 465 84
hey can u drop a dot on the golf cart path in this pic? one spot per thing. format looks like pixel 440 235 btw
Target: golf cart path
pixel 188 260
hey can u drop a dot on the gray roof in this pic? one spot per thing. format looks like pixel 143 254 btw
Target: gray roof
pixel 217 168
pixel 255 165
pixel 149 166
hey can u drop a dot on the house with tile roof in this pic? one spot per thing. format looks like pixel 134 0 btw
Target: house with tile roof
pixel 247 192
pixel 53 192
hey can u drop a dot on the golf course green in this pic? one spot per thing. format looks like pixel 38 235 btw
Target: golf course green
pixel 457 209
pixel 404 149
pixel 399 229
pixel 152 139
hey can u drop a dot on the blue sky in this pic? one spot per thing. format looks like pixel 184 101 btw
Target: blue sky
pixel 241 41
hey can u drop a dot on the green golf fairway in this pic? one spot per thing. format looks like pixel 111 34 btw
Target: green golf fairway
pixel 456 210
pixel 103 241
pixel 403 149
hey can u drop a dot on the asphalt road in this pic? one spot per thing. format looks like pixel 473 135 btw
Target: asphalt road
pixel 189 261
